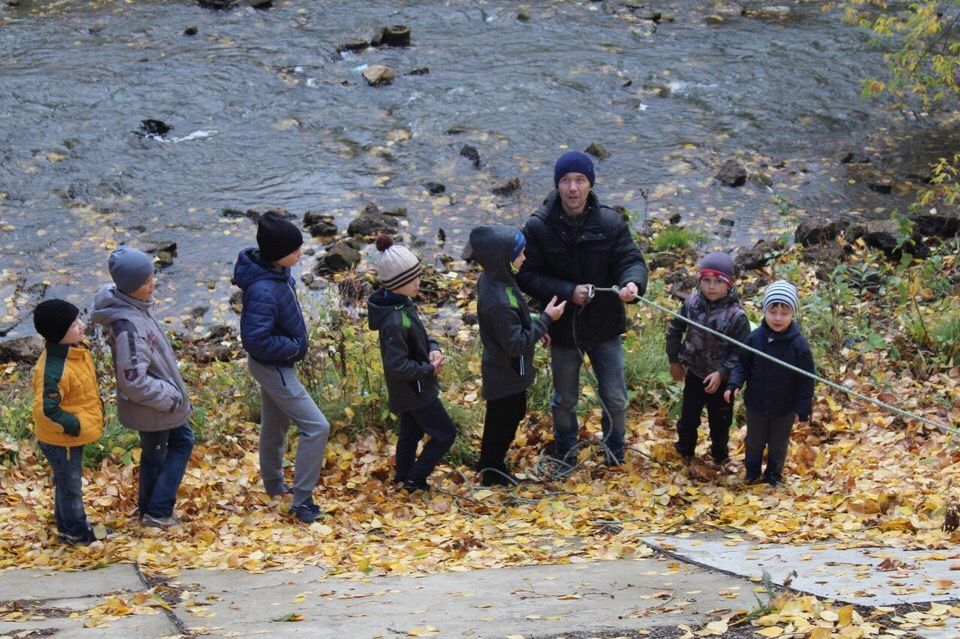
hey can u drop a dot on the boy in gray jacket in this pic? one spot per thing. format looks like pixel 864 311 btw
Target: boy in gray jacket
pixel 151 396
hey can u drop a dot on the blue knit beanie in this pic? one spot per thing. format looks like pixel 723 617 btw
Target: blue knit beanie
pixel 129 268
pixel 573 162
pixel 519 243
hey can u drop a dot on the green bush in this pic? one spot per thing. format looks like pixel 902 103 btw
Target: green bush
pixel 674 238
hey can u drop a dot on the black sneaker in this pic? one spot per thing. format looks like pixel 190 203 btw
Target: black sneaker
pixel 307 512
pixel 85 538
pixel 498 477
pixel 413 485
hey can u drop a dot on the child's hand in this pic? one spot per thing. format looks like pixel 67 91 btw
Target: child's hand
pixel 711 383
pixel 677 372
pixel 436 358
pixel 554 310
pixel 545 340
pixel 729 395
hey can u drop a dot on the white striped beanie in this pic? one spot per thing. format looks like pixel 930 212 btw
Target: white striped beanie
pixel 396 266
pixel 781 292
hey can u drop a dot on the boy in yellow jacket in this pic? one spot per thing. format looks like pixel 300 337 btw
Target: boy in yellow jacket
pixel 67 411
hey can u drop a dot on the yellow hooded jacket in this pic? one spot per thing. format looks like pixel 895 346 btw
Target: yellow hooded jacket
pixel 67 409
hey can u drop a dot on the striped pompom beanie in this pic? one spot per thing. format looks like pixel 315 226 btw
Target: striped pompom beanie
pixel 781 292
pixel 396 266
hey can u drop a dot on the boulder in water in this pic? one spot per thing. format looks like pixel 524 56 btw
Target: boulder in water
pixel 396 35
pixel 319 224
pixel 507 187
pixel 598 151
pixel 341 257
pixel 732 174
pixel 378 75
pixel 22 350
pixel 371 221
pixel 813 232
pixel 471 153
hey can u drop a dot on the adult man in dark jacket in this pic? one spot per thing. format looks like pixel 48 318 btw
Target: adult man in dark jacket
pixel 574 244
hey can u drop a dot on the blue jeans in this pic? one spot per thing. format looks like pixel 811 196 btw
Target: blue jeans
pixel 607 361
pixel 67 465
pixel 163 461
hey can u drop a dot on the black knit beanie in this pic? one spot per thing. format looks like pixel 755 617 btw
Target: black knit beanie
pixel 53 318
pixel 276 237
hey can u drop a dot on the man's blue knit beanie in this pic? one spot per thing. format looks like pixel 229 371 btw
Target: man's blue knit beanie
pixel 573 162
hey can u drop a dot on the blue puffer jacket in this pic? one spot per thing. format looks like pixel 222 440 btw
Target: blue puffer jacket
pixel 271 324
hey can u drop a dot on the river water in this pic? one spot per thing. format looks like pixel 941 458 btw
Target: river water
pixel 266 113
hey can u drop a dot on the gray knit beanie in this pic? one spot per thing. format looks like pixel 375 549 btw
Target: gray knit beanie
pixel 781 292
pixel 396 266
pixel 129 268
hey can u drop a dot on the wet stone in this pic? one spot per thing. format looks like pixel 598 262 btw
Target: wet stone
pixel 341 257
pixel 434 188
pixel 356 44
pixel 507 187
pixel 419 71
pixel 396 35
pixel 597 150
pixel 762 253
pixel 854 157
pixel 931 225
pixel 371 222
pixel 378 75
pixel 163 250
pixel 732 174
pixel 319 224
pixel 816 231
pixel 236 302
pixel 154 127
pixel 471 153
pixel 23 350
pixel 190 31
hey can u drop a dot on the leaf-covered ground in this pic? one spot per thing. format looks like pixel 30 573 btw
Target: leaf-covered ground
pixel 856 473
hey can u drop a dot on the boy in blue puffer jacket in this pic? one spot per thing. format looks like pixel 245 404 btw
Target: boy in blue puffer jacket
pixel 275 338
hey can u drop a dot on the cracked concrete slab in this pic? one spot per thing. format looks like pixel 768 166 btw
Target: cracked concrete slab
pixel 532 600
pixel 41 585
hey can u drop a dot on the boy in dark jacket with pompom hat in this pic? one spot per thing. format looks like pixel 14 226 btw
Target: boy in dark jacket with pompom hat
pixel 274 335
pixel 703 361
pixel 411 362
pixel 776 396
pixel 509 335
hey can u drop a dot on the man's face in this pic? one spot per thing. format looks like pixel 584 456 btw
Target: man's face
pixel 574 189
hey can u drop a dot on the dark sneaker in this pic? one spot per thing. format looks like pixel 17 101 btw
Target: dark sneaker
pixel 498 477
pixel 413 485
pixel 752 480
pixel 307 512
pixel 83 539
pixel 285 489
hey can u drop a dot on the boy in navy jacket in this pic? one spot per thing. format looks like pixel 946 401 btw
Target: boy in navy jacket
pixel 776 397
pixel 411 362
pixel 275 337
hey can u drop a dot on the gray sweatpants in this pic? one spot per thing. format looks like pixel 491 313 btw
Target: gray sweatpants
pixel 282 399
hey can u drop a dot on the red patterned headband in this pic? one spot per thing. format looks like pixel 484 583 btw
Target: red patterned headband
pixel 720 275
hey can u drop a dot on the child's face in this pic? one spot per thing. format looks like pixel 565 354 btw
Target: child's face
pixel 517 263
pixel 289 260
pixel 145 292
pixel 74 334
pixel 712 287
pixel 411 289
pixel 778 317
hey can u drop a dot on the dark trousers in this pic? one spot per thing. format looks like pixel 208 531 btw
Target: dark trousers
pixel 163 461
pixel 67 465
pixel 499 428
pixel 773 433
pixel 431 420
pixel 719 416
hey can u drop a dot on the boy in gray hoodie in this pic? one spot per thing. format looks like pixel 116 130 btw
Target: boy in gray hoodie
pixel 151 396
pixel 509 335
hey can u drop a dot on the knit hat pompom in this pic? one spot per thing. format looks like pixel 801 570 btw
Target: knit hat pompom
pixel 384 242
pixel 53 318
pixel 781 292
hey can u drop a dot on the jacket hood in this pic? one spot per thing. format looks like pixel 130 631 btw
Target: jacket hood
pixel 492 247
pixel 379 308
pixel 109 304
pixel 251 268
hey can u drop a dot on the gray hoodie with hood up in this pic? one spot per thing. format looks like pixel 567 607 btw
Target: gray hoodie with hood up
pixel 507 331
pixel 151 395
